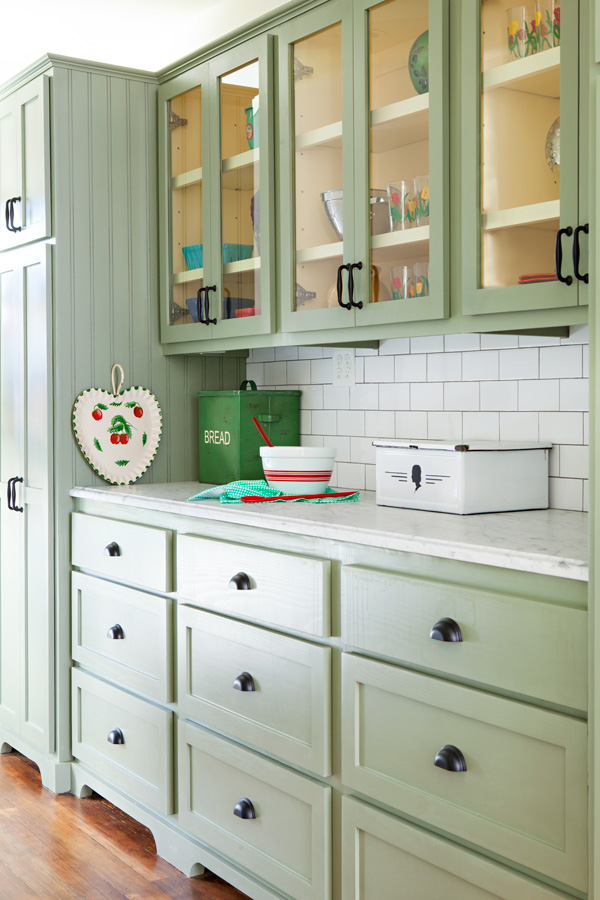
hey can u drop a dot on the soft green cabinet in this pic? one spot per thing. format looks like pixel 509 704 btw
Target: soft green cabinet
pixel 26 572
pixel 25 165
pixel 216 198
pixel 524 195
pixel 363 91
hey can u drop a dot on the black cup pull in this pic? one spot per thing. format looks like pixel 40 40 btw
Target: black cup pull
pixel 451 759
pixel 12 214
pixel 244 682
pixel 16 480
pixel 240 582
pixel 115 736
pixel 244 809
pixel 208 320
pixel 340 287
pixel 112 549
pixel 446 630
pixel 581 229
pixel 558 254
pixel 115 633
pixel 352 266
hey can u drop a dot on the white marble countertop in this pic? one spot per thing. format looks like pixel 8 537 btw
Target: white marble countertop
pixel 550 541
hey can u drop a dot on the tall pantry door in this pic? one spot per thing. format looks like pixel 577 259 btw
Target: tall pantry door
pixel 26 570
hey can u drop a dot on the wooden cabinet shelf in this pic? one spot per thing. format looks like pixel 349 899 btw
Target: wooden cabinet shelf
pixel 414 239
pixel 540 215
pixel 194 176
pixel 400 124
pixel 538 74
pixel 237 172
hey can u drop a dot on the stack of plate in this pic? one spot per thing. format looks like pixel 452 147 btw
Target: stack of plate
pixel 537 277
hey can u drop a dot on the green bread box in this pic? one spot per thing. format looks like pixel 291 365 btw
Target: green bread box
pixel 229 439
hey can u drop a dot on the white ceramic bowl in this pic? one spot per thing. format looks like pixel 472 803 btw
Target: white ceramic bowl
pixel 298 470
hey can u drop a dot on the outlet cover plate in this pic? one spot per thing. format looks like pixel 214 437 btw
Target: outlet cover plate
pixel 344 368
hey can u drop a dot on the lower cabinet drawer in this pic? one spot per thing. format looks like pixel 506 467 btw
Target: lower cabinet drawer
pixel 267 690
pixel 123 634
pixel 384 858
pixel 123 739
pixel 523 795
pixel 286 843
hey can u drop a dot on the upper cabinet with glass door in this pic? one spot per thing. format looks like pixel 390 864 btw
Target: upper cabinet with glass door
pixel 520 186
pixel 217 278
pixel 363 87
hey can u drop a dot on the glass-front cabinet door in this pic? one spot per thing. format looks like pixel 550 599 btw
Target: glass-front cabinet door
pixel 217 269
pixel 520 178
pixel 361 90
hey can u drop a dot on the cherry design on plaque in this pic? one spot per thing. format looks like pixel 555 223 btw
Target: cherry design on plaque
pixel 118 432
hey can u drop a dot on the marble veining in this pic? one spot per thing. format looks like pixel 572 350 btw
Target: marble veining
pixel 549 542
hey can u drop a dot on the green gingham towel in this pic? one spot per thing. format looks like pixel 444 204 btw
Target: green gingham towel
pixel 235 490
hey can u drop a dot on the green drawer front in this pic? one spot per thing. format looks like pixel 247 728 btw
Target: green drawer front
pixel 387 859
pixel 124 635
pixel 523 795
pixel 141 766
pixel 283 708
pixel 287 591
pixel 140 555
pixel 287 845
pixel 519 645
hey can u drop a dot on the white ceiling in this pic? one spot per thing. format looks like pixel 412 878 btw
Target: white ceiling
pixel 142 34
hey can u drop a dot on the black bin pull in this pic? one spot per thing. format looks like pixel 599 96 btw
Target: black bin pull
pixel 244 809
pixel 244 682
pixel 446 629
pixel 240 582
pixel 115 633
pixel 451 759
pixel 112 549
pixel 115 736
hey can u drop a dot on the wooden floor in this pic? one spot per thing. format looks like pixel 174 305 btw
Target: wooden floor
pixel 61 848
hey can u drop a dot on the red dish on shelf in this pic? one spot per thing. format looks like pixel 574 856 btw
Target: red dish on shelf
pixel 241 313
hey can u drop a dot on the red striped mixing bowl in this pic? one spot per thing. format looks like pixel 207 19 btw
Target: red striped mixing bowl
pixel 298 470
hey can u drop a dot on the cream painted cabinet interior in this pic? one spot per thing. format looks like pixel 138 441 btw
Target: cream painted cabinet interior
pixel 347 722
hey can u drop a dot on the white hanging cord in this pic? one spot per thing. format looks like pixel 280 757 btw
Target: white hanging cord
pixel 113 378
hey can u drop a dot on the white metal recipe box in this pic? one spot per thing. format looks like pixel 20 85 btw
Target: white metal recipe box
pixel 463 478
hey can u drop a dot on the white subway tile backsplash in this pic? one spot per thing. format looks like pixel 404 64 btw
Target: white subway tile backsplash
pixel 499 395
pixel 379 368
pixel 411 424
pixel 561 427
pixel 539 395
pixel 394 396
pixel 444 426
pixel 457 387
pixel 481 365
pixel 427 396
pixel 428 344
pixel 519 364
pixel 565 361
pixel 444 366
pixel 461 395
pixel 481 426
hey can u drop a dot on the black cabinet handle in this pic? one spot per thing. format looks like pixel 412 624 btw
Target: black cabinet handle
pixel 115 736
pixel 352 266
pixel 340 287
pixel 451 759
pixel 240 582
pixel 13 505
pixel 558 254
pixel 9 485
pixel 199 305
pixel 244 809
pixel 112 549
pixel 446 630
pixel 12 214
pixel 244 682
pixel 585 229
pixel 7 215
pixel 115 633
pixel 208 320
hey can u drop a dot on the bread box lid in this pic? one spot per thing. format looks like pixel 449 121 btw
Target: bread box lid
pixel 460 446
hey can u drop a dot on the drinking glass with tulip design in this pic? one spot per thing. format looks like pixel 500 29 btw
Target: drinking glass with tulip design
pixel 522 32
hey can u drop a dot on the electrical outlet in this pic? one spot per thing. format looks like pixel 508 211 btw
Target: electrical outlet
pixel 344 370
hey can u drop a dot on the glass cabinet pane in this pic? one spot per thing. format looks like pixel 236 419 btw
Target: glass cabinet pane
pixel 520 141
pixel 317 122
pixel 399 152
pixel 240 192
pixel 185 133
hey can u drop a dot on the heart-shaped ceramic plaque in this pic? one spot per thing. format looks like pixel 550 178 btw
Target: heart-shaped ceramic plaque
pixel 118 433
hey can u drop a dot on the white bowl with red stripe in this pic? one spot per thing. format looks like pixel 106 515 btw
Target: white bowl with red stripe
pixel 298 470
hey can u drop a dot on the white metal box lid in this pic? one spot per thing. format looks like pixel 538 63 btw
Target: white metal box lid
pixel 460 446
